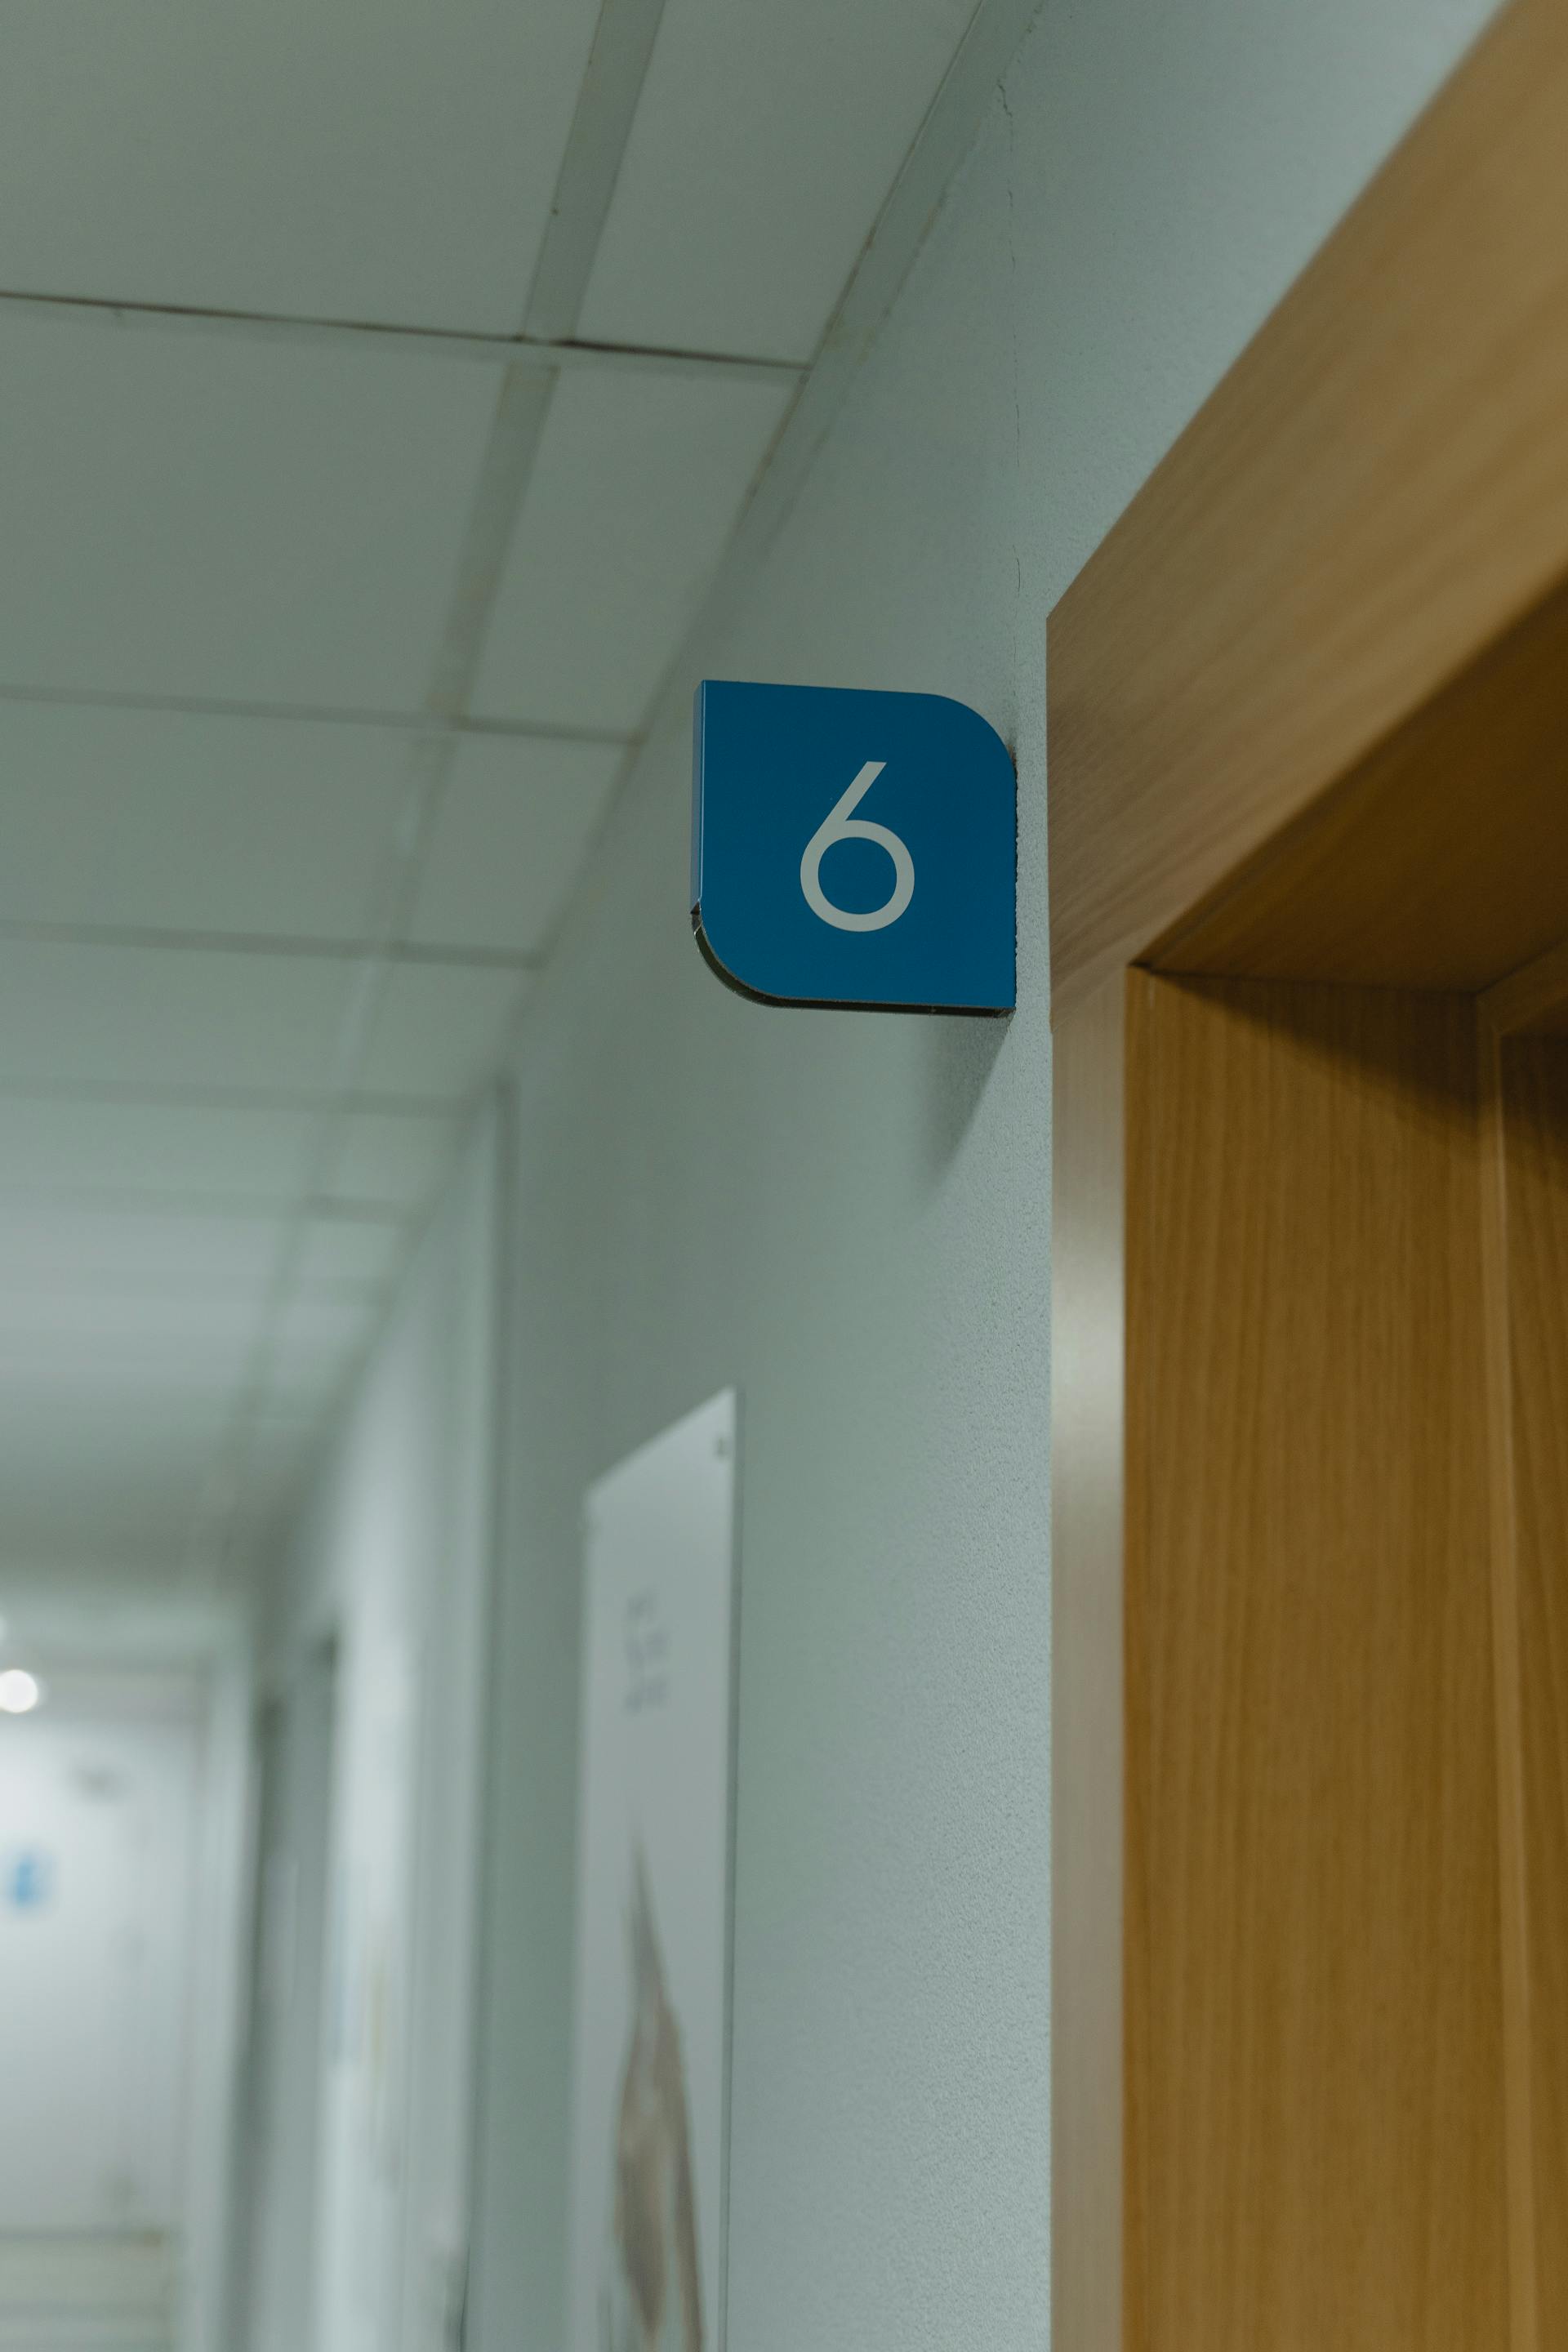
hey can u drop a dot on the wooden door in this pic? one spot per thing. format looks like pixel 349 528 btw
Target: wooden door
pixel 1308 789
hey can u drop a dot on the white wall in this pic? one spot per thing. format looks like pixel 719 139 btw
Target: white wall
pixel 391 1565
pixel 849 1217
pixel 100 1794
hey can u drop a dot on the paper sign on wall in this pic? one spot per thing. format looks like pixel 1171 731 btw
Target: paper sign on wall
pixel 646 2249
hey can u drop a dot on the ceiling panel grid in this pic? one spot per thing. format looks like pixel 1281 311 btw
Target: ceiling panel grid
pixel 381 401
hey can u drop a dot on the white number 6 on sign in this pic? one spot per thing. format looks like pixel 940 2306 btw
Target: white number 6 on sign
pixel 841 824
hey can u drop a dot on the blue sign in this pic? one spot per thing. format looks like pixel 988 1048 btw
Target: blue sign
pixel 30 1880
pixel 851 848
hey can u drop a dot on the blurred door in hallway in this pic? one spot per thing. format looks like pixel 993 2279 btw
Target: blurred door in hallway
pixel 277 2279
pixel 97 1814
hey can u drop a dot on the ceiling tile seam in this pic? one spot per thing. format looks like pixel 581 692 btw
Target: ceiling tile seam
pixel 566 912
pixel 430 760
pixel 109 1283
pixel 52 1280
pixel 391 909
pixel 442 1110
pixel 945 136
pixel 623 45
pixel 624 42
pixel 450 956
pixel 321 947
pixel 948 131
pixel 522 406
pixel 217 1508
pixel 531 351
pixel 141 1199
pixel 607 98
pixel 417 723
pixel 659 699
pixel 522 410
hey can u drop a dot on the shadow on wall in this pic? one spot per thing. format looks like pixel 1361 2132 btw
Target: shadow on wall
pixel 959 1058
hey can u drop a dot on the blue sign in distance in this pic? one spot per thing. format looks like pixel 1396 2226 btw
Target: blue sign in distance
pixel 28 1881
pixel 854 849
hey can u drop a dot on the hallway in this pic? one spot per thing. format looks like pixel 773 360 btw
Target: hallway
pixel 549 892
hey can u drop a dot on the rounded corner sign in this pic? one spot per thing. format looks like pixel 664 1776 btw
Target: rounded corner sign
pixel 856 849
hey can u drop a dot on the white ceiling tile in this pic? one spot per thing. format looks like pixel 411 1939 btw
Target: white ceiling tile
pixel 319 1337
pixel 360 1250
pixel 88 1015
pixel 63 1388
pixel 182 823
pixel 511 839
pixel 110 1431
pixel 272 1430
pixel 208 516
pixel 287 155
pixel 215 1151
pixel 384 1156
pixel 325 1320
pixel 281 1450
pixel 57 1249
pixel 162 1419
pixel 48 1372
pixel 111 1317
pixel 110 1536
pixel 440 1031
pixel 639 484
pixel 34 1457
pixel 93 1405
pixel 802 116
pixel 307 1380
pixel 100 1480
pixel 113 1534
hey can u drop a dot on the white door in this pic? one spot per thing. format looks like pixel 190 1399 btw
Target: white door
pixel 95 1887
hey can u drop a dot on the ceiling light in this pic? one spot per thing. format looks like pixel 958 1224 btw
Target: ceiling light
pixel 19 1693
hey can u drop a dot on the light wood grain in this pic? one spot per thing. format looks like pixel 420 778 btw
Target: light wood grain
pixel 1314 2053
pixel 1534 1104
pixel 1087 1321
pixel 1441 863
pixel 1519 2057
pixel 1376 492
pixel 1308 723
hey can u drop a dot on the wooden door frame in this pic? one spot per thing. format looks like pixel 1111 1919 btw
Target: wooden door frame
pixel 1268 695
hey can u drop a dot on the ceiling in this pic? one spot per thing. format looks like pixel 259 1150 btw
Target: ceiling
pixel 381 388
